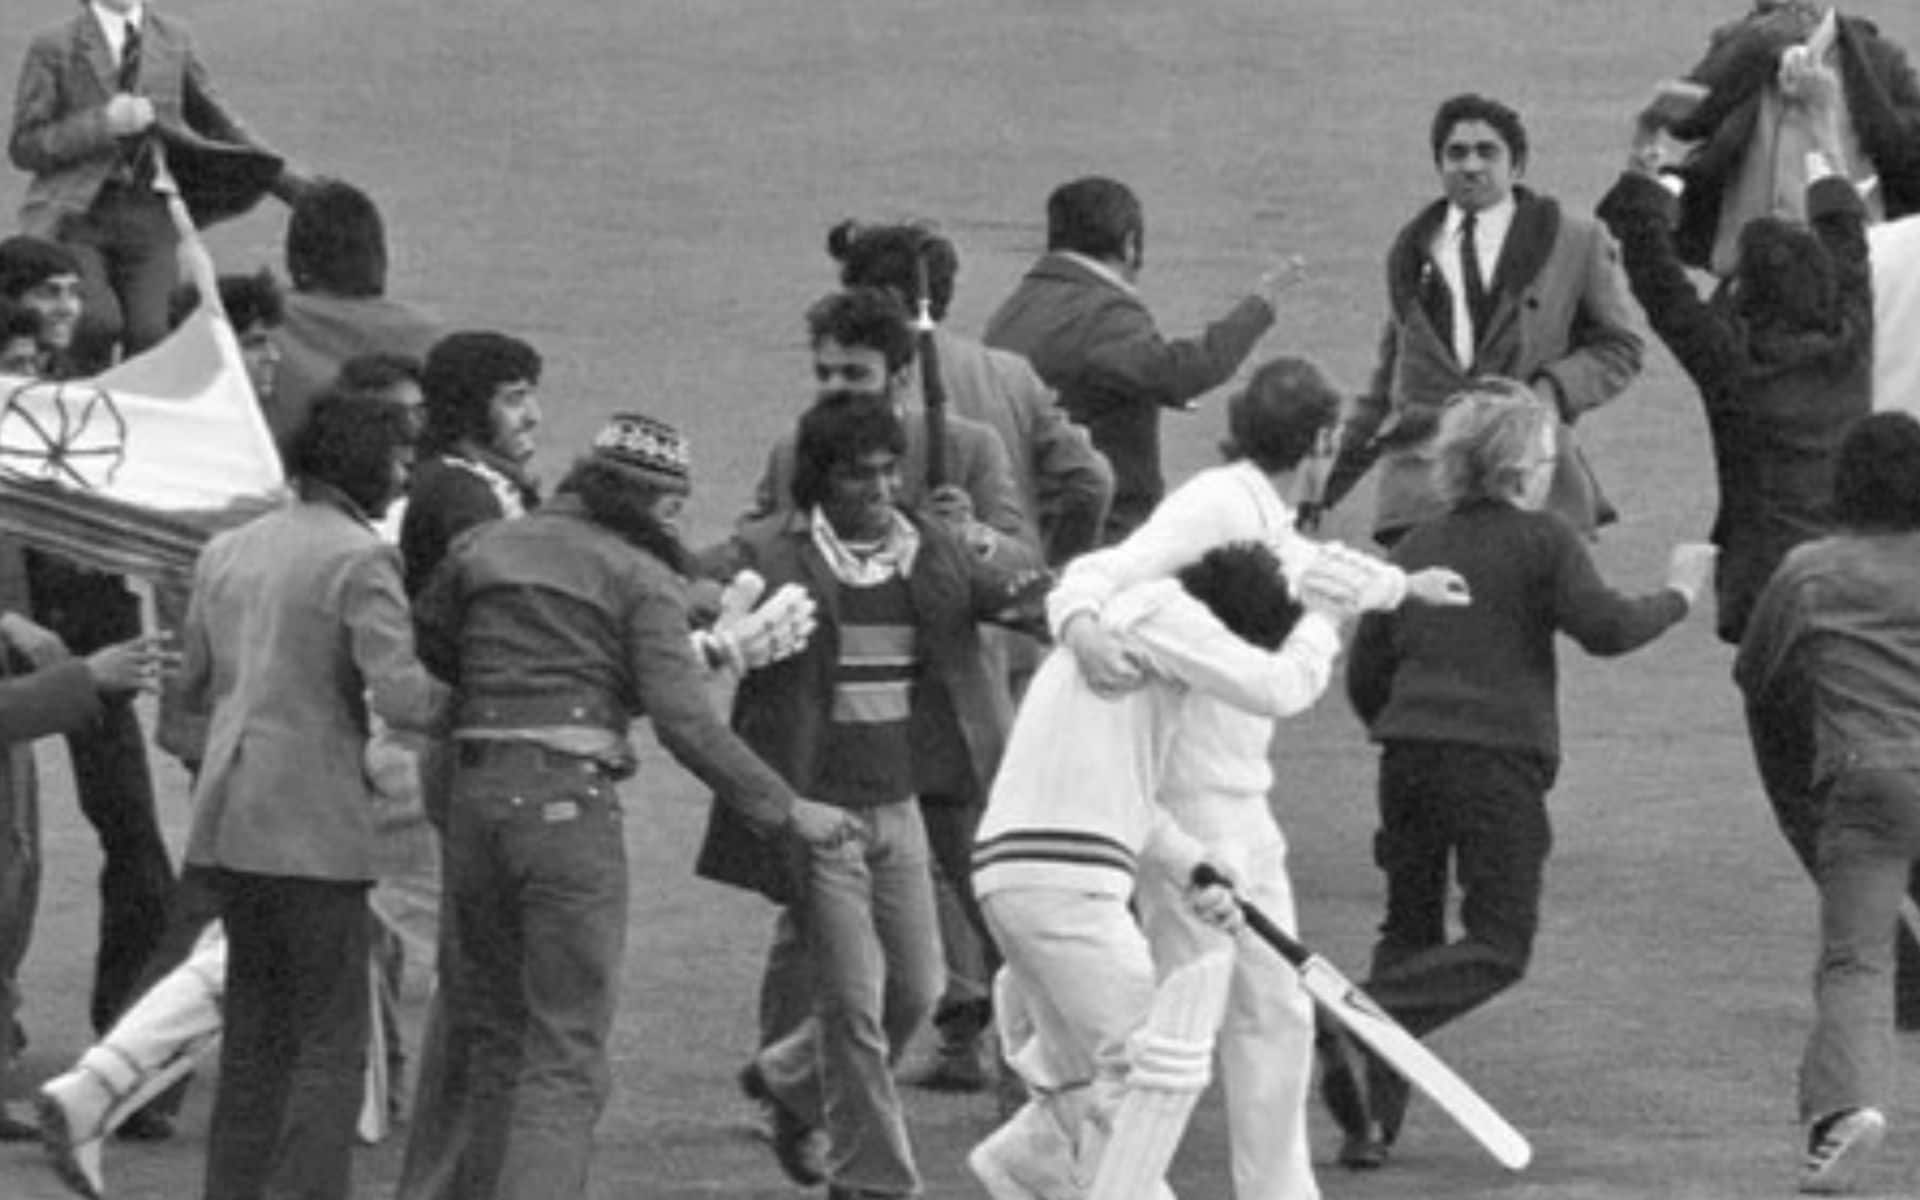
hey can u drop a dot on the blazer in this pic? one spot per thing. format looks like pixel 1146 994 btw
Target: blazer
pixel 1561 321
pixel 59 111
pixel 298 625
pixel 1096 344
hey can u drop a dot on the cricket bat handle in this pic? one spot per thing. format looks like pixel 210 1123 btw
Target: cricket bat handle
pixel 1284 943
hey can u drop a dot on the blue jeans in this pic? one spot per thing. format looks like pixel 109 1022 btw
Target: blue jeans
pixel 294 1047
pixel 869 924
pixel 1869 841
pixel 536 880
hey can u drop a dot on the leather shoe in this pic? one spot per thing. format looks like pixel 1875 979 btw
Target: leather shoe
pixel 796 1144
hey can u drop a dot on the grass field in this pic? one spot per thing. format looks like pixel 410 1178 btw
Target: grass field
pixel 642 188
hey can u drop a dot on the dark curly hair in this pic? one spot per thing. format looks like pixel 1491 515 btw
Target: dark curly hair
pixel 1876 475
pixel 832 435
pixel 348 443
pixel 462 372
pixel 864 316
pixel 623 500
pixel 889 256
pixel 1784 278
pixel 1241 584
pixel 1471 107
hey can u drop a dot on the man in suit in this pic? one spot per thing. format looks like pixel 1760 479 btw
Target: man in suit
pixel 1490 279
pixel 1078 318
pixel 99 95
pixel 298 628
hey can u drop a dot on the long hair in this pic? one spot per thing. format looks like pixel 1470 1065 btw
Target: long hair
pixel 462 372
pixel 622 501
pixel 1487 435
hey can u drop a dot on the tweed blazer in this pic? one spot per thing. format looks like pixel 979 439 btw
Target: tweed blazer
pixel 1561 321
pixel 298 625
pixel 59 111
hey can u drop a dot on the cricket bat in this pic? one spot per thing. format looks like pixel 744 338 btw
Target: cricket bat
pixel 1385 1037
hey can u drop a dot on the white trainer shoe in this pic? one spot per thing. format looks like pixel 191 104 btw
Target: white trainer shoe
pixel 1838 1145
pixel 71 1108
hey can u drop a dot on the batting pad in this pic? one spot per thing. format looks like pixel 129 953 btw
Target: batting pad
pixel 171 1027
pixel 1170 1063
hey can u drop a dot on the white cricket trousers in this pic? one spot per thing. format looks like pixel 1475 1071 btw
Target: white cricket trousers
pixel 1265 1047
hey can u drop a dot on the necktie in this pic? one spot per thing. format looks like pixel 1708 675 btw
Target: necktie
pixel 129 76
pixel 1478 302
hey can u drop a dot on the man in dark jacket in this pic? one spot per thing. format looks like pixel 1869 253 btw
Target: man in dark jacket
pixel 1078 318
pixel 557 630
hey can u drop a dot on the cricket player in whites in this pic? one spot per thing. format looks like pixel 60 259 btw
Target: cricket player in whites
pixel 1217 773
pixel 1072 812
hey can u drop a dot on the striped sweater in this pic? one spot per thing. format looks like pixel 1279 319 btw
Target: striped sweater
pixel 1074 804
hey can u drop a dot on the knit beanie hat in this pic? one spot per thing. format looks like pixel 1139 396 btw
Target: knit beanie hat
pixel 646 447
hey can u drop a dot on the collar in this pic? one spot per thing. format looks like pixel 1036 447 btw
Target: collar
pixel 314 491
pixel 115 25
pixel 1493 222
pixel 1103 270
pixel 894 556
pixel 1535 226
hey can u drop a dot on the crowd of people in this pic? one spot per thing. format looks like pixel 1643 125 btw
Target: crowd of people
pixel 998 694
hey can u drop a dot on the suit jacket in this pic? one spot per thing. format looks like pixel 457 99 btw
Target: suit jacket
pixel 1065 484
pixel 1561 321
pixel 59 114
pixel 298 624
pixel 1096 344
pixel 781 710
pixel 1882 96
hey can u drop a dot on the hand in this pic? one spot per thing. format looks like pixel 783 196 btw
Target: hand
pixel 1283 276
pixel 951 506
pixel 128 114
pixel 1215 903
pixel 1690 567
pixel 134 665
pixel 1109 668
pixel 1442 587
pixel 822 825
pixel 39 645
pixel 1805 80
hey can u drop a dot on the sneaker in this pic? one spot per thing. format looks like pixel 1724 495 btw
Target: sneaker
pixel 1837 1146
pixel 955 1067
pixel 796 1145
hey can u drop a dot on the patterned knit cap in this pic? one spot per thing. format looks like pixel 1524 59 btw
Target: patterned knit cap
pixel 647 447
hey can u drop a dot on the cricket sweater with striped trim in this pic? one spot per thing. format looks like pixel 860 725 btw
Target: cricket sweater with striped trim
pixel 1075 804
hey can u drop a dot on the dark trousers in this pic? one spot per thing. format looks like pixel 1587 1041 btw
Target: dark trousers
pixel 126 247
pixel 536 884
pixel 1781 734
pixel 89 609
pixel 293 1055
pixel 1482 814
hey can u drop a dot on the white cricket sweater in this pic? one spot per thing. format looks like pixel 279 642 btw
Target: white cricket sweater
pixel 1074 803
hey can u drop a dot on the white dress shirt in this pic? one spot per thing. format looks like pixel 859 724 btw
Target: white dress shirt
pixel 1489 235
pixel 115 24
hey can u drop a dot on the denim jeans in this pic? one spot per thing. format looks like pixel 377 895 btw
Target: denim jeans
pixel 1481 813
pixel 536 877
pixel 868 922
pixel 1869 841
pixel 294 1051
